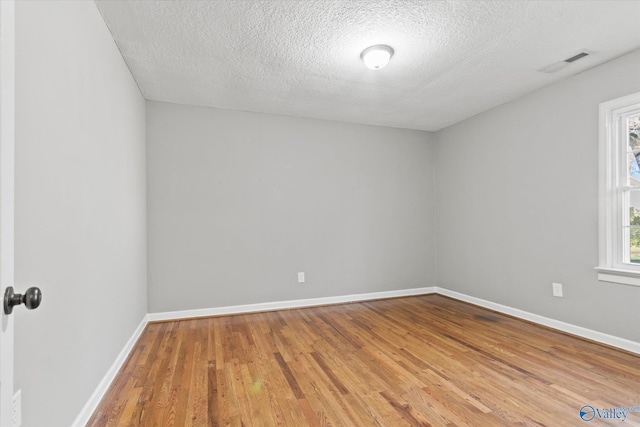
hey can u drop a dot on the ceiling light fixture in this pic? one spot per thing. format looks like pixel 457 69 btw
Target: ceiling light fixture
pixel 376 57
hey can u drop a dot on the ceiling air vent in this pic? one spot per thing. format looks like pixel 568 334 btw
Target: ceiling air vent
pixel 560 65
pixel 574 58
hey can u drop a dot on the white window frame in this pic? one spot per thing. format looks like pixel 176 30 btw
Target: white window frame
pixel 613 169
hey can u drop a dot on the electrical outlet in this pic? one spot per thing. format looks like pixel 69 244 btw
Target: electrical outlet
pixel 557 289
pixel 301 277
pixel 16 417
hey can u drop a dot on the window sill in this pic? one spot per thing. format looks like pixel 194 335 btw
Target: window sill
pixel 616 275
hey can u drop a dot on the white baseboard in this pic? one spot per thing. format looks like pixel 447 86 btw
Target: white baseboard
pixel 87 411
pixel 579 331
pixel 284 305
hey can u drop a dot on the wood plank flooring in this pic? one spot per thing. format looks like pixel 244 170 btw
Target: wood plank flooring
pixel 416 361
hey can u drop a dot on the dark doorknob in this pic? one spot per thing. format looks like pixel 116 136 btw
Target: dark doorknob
pixel 31 299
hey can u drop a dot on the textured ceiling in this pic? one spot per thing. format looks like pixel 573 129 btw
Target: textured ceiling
pixel 453 59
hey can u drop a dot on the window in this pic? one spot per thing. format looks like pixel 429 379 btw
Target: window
pixel 620 191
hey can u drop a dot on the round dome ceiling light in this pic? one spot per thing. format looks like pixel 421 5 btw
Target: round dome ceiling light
pixel 376 57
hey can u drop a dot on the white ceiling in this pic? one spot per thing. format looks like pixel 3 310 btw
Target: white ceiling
pixel 453 59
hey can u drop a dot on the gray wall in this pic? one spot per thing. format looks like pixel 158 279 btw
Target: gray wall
pixel 80 206
pixel 517 203
pixel 240 202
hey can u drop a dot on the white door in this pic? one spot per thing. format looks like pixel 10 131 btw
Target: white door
pixel 7 133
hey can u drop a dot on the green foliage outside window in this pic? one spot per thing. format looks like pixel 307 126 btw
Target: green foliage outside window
pixel 634 219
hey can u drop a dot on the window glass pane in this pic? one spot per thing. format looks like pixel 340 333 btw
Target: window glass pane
pixel 633 150
pixel 634 227
pixel 634 245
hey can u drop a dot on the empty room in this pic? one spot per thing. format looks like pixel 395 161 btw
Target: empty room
pixel 319 213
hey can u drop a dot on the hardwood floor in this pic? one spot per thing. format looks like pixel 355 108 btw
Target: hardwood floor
pixel 416 361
